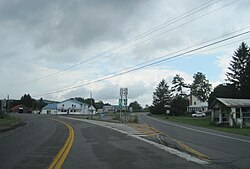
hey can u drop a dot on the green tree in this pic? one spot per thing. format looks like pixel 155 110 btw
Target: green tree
pixel 239 74
pixel 88 101
pixel 161 98
pixel 178 85
pixel 80 99
pixel 179 105
pixel 222 91
pixel 40 104
pixel 135 105
pixel 99 105
pixel 201 87
pixel 27 101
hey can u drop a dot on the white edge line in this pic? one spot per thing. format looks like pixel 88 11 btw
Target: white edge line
pixel 205 132
pixel 160 146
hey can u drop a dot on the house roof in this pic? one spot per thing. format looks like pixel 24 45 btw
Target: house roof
pixel 51 106
pixel 234 102
pixel 74 101
pixel 17 107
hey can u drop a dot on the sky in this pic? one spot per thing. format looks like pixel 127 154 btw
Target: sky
pixel 70 48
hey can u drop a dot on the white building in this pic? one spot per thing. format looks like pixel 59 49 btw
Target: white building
pixel 72 107
pixel 196 104
pixel 234 112
pixel 66 107
pixel 50 109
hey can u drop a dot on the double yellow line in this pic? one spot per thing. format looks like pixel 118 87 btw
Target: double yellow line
pixel 57 162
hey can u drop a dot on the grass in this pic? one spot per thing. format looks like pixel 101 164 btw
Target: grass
pixel 7 120
pixel 205 122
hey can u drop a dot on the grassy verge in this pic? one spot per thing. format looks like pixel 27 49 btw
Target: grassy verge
pixel 205 122
pixel 8 121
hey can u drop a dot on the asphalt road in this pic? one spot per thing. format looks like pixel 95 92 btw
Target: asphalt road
pixel 35 144
pixel 225 150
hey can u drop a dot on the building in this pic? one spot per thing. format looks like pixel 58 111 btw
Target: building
pixel 232 112
pixel 112 108
pixel 66 107
pixel 20 109
pixel 50 109
pixel 72 107
pixel 195 104
pixel 92 109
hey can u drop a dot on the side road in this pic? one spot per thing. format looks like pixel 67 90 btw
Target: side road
pixel 220 147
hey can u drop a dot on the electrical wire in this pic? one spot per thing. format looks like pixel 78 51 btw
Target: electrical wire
pixel 146 65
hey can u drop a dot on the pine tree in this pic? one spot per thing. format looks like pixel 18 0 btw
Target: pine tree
pixel 178 85
pixel 161 98
pixel 238 76
pixel 201 88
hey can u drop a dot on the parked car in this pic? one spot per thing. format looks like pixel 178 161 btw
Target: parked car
pixel 198 114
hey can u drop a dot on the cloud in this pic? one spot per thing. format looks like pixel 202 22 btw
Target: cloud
pixel 43 37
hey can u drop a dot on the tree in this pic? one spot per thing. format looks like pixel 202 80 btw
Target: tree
pixel 178 85
pixel 89 101
pixel 239 74
pixel 27 101
pixel 200 86
pixel 99 105
pixel 80 99
pixel 179 105
pixel 40 104
pixel 135 105
pixel 222 91
pixel 161 98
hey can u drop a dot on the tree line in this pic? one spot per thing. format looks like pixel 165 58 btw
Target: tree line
pixel 237 85
pixel 175 98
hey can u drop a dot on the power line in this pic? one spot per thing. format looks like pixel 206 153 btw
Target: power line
pixel 175 52
pixel 147 65
pixel 155 29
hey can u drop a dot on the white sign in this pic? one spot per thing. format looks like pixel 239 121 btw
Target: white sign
pixel 125 91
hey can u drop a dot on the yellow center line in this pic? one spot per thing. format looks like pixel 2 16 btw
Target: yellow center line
pixel 59 159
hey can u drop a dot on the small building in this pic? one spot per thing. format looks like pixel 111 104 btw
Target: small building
pixel 20 109
pixel 92 110
pixel 195 104
pixel 233 112
pixel 50 109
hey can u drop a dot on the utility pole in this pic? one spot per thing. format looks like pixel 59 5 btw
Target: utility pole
pixel 8 103
pixel 91 105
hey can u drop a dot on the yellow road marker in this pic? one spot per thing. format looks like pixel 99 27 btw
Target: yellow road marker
pixel 59 159
pixel 191 150
pixel 145 129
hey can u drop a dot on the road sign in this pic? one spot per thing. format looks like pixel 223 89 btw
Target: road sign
pixel 125 101
pixel 120 103
pixel 125 91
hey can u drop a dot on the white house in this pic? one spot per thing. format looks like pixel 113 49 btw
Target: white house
pixel 195 104
pixel 72 107
pixel 50 109
pixel 231 111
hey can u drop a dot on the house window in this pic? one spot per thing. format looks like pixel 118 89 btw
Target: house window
pixel 194 103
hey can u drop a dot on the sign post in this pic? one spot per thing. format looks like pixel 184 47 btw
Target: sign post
pixel 123 101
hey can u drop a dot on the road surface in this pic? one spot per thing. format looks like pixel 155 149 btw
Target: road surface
pixel 224 149
pixel 37 143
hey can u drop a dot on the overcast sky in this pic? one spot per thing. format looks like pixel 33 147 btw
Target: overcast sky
pixel 48 45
